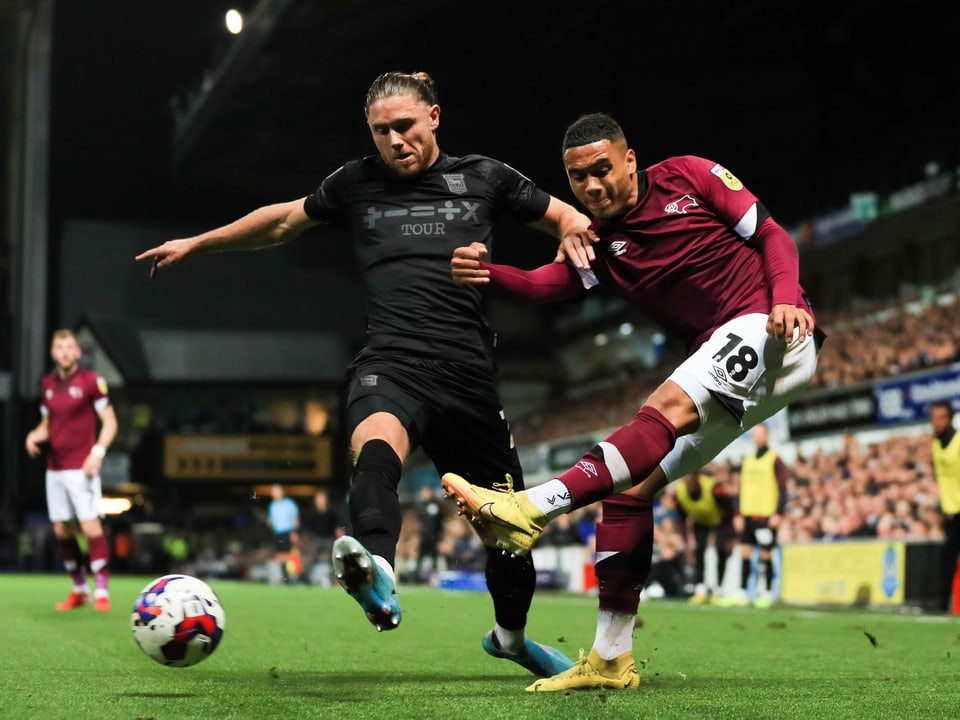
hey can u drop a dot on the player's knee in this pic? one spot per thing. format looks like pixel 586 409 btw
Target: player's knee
pixel 672 403
pixel 377 428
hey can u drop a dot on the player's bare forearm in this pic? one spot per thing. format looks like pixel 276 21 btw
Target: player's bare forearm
pixel 572 228
pixel 108 427
pixel 40 434
pixel 264 227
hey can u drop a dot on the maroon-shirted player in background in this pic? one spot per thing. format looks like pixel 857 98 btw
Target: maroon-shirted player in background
pixel 72 400
pixel 689 245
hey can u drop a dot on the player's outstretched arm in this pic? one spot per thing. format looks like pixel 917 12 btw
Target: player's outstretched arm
pixel 265 226
pixel 548 283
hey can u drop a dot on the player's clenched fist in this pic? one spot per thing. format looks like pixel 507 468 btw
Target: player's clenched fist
pixel 465 266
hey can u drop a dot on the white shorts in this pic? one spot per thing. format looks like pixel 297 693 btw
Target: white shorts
pixel 737 379
pixel 71 495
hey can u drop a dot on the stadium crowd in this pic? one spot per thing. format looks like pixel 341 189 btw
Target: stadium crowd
pixel 888 339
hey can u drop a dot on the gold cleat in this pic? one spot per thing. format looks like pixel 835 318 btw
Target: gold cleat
pixel 593 673
pixel 502 518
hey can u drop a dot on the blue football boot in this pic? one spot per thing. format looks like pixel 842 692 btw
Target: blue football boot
pixel 366 581
pixel 541 660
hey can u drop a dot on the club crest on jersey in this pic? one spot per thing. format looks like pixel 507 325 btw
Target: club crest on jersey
pixel 618 247
pixel 455 183
pixel 729 179
pixel 75 391
pixel 681 206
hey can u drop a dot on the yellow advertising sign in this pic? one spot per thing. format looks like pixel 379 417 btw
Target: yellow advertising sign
pixel 247 457
pixel 844 572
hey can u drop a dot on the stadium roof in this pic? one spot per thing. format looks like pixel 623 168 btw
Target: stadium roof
pixel 805 106
pixel 128 354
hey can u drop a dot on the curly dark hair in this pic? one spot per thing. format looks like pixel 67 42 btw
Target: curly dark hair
pixel 591 128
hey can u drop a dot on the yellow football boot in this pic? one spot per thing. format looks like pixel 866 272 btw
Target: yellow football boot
pixel 592 672
pixel 502 518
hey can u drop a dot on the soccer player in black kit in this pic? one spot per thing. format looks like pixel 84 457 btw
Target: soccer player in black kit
pixel 426 374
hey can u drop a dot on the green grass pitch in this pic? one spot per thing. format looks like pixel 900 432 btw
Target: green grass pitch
pixel 303 652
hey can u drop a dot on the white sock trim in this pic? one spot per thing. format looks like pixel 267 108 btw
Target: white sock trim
pixel 385 566
pixel 510 640
pixel 552 498
pixel 614 633
pixel 619 472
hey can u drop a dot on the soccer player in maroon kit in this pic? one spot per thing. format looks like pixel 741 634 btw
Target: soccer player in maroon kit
pixel 687 243
pixel 72 400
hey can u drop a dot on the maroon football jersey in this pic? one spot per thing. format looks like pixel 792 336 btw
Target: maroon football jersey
pixel 71 407
pixel 682 254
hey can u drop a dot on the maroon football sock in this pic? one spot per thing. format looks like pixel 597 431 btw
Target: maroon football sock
pixel 70 554
pixel 625 458
pixel 99 557
pixel 626 530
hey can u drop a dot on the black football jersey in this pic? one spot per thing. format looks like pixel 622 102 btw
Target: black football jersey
pixel 404 232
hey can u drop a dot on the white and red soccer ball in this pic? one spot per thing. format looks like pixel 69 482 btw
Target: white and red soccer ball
pixel 178 620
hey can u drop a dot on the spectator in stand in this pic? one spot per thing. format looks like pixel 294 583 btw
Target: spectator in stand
pixel 461 547
pixel 320 526
pixel 667 577
pixel 430 515
pixel 563 533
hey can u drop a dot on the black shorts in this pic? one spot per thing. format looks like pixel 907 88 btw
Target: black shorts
pixel 723 536
pixel 281 542
pixel 449 409
pixel 757 531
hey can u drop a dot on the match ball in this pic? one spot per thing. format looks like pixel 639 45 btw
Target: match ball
pixel 178 620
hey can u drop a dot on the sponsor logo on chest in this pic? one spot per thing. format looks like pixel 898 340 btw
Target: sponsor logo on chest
pixel 426 219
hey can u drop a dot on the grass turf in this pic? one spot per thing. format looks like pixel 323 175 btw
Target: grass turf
pixel 304 652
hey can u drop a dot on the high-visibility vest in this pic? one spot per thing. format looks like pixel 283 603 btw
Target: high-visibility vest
pixel 946 467
pixel 704 510
pixel 759 492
